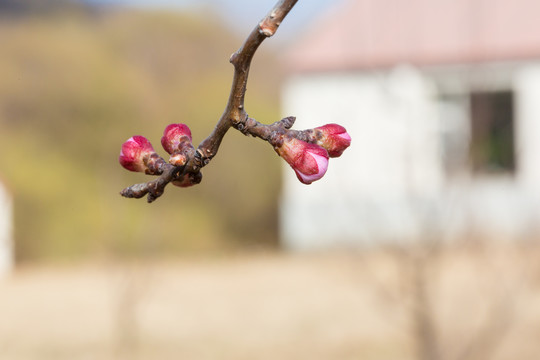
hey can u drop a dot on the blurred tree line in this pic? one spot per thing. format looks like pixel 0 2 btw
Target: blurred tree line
pixel 76 83
pixel 23 8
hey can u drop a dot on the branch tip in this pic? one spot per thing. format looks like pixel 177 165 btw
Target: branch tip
pixel 288 122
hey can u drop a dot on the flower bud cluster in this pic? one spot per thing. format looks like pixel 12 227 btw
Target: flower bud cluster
pixel 307 152
pixel 309 160
pixel 138 155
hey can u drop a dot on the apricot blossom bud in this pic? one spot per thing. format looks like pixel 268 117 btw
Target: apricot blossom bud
pixel 309 161
pixel 334 138
pixel 135 153
pixel 173 136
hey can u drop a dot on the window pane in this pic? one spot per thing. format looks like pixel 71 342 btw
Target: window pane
pixel 492 132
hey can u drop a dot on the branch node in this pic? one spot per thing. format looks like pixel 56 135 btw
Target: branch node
pixel 276 139
pixel 266 30
pixel 242 128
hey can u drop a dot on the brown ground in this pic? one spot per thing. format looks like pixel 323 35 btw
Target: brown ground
pixel 477 304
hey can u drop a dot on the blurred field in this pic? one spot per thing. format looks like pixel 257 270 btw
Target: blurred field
pixel 483 303
pixel 76 84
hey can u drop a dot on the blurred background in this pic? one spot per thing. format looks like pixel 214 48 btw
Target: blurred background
pixel 421 242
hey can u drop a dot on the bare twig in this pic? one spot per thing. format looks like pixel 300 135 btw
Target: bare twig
pixel 234 114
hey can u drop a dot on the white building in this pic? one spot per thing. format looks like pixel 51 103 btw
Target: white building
pixel 6 239
pixel 442 101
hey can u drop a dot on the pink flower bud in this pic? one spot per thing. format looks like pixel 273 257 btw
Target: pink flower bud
pixel 309 161
pixel 173 136
pixel 135 153
pixel 334 138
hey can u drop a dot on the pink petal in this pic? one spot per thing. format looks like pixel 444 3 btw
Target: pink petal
pixel 322 166
pixel 345 136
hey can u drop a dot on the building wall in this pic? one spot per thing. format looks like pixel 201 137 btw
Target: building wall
pixel 6 240
pixel 527 86
pixel 391 184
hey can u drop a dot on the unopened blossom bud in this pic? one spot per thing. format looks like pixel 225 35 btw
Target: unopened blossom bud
pixel 334 138
pixel 173 136
pixel 309 161
pixel 135 153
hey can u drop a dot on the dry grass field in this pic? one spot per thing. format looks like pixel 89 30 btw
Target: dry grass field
pixel 467 303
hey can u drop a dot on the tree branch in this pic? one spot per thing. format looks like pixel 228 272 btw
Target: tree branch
pixel 234 115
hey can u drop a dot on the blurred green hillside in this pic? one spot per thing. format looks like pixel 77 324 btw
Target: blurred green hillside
pixel 74 86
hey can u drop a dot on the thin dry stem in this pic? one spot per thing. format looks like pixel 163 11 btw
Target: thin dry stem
pixel 235 113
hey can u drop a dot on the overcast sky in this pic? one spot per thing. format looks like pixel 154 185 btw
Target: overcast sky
pixel 243 14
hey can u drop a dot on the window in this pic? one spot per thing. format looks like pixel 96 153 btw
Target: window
pixel 491 148
pixel 477 133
